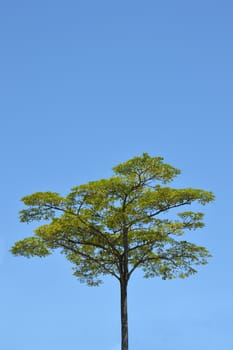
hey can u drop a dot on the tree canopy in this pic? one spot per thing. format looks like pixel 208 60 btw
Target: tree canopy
pixel 113 226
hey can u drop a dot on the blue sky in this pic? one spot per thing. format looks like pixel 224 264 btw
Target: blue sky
pixel 85 85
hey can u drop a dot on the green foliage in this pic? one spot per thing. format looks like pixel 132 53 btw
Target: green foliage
pixel 31 246
pixel 113 226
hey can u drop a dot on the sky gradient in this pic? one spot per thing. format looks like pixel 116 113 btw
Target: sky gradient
pixel 85 85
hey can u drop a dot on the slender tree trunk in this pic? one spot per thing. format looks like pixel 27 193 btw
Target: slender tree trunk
pixel 124 315
pixel 124 284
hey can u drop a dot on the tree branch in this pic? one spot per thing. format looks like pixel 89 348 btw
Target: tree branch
pixel 93 245
pixel 157 213
pixel 87 256
pixel 168 208
pixel 93 228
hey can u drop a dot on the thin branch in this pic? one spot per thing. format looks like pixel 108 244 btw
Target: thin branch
pixel 96 245
pixel 93 245
pixel 93 228
pixel 157 213
pixel 158 257
pixel 89 257
pixel 168 208
pixel 140 261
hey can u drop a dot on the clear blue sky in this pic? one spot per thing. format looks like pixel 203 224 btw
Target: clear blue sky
pixel 85 85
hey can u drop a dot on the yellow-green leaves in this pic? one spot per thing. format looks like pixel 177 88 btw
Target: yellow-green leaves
pixel 191 220
pixel 146 168
pixel 42 198
pixel 113 226
pixel 177 260
pixel 29 247
pixel 42 206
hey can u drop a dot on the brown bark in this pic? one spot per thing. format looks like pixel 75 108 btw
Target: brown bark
pixel 124 315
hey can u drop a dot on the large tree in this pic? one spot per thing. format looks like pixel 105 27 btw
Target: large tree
pixel 114 226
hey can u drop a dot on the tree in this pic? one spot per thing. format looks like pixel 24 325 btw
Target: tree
pixel 116 225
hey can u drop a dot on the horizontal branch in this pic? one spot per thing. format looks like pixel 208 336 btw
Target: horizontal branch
pixel 146 216
pixel 168 208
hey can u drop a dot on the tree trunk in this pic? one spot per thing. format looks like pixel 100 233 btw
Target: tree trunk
pixel 124 315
